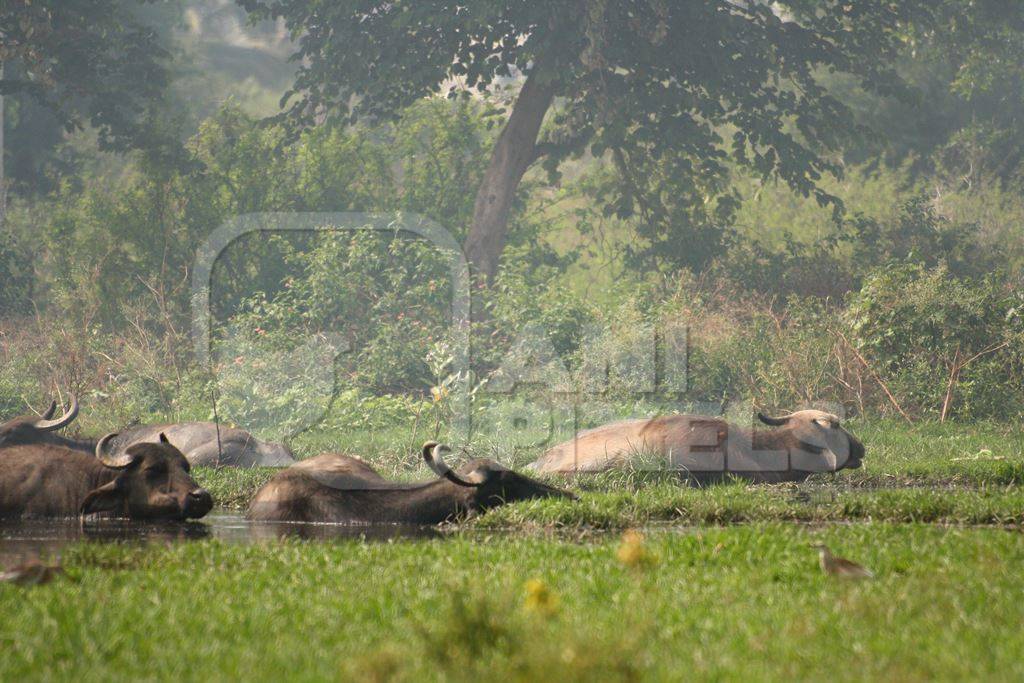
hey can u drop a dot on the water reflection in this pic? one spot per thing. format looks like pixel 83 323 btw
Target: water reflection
pixel 26 540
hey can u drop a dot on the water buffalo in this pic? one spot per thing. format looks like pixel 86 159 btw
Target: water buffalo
pixel 148 481
pixel 341 489
pixel 198 441
pixel 710 449
pixel 42 430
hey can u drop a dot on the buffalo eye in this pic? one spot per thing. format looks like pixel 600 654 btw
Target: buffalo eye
pixel 155 471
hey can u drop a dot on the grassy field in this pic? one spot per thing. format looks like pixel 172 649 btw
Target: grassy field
pixel 723 585
pixel 720 602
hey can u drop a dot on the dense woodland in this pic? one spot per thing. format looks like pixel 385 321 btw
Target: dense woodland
pixel 828 199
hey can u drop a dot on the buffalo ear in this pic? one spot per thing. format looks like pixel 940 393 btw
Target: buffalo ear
pixel 106 498
pixel 164 439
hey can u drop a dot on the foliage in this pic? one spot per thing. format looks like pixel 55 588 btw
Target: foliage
pixel 658 85
pixel 935 335
pixel 962 124
pixel 836 262
pixel 93 63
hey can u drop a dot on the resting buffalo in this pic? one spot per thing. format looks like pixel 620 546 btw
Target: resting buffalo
pixel 710 449
pixel 42 430
pixel 198 441
pixel 148 481
pixel 340 489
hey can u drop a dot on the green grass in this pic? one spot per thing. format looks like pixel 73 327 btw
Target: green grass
pixel 931 453
pixel 737 504
pixel 728 603
pixel 232 487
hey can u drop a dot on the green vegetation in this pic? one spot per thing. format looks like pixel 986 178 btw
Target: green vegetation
pixel 732 603
pixel 827 203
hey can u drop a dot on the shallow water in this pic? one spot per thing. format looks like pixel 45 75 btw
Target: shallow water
pixel 24 540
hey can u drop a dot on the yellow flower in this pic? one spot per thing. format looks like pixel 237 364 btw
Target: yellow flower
pixel 633 553
pixel 540 598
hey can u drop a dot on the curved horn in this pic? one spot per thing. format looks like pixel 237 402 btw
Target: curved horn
pixel 773 421
pixel 101 445
pixel 49 411
pixel 432 452
pixel 120 460
pixel 47 425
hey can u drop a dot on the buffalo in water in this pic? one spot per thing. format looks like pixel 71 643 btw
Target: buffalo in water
pixel 341 489
pixel 710 449
pixel 42 430
pixel 147 481
pixel 202 443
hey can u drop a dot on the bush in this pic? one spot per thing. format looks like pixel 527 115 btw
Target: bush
pixel 933 334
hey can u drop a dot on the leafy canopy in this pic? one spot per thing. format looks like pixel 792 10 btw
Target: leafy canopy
pixel 675 91
pixel 85 61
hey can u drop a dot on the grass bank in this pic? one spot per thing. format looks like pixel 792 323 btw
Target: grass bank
pixel 724 602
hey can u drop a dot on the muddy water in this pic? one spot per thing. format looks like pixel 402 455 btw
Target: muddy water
pixel 24 540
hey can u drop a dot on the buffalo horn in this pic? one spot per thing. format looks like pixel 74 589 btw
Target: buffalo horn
pixel 47 425
pixel 432 454
pixel 773 421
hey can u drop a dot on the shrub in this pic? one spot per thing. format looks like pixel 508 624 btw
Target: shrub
pixel 948 345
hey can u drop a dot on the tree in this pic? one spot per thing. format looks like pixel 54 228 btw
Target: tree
pixel 647 82
pixel 966 66
pixel 68 63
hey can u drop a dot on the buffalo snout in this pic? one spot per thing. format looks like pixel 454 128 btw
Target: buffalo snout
pixel 856 453
pixel 198 503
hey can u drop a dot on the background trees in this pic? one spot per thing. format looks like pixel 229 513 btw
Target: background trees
pixel 673 91
pixel 648 195
pixel 72 64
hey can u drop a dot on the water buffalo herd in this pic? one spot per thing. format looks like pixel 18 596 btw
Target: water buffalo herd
pixel 144 472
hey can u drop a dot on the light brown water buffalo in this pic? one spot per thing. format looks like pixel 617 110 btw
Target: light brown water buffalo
pixel 148 481
pixel 710 449
pixel 341 489
pixel 198 441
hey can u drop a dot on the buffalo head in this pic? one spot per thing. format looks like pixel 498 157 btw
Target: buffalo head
pixel 152 481
pixel 492 484
pixel 820 434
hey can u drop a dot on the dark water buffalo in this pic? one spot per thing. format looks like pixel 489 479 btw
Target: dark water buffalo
pixel 342 489
pixel 42 430
pixel 198 441
pixel 710 449
pixel 148 481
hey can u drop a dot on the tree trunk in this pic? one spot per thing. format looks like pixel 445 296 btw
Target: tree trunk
pixel 514 152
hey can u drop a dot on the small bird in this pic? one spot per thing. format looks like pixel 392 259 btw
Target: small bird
pixel 840 566
pixel 32 573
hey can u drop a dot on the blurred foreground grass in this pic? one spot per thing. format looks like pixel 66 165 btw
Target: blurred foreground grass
pixel 732 603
